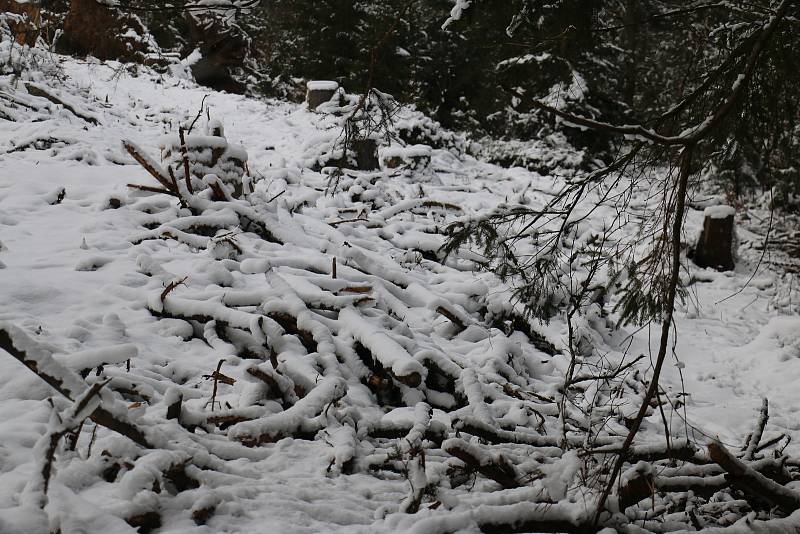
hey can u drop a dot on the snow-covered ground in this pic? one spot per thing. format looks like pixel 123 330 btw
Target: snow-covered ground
pixel 83 274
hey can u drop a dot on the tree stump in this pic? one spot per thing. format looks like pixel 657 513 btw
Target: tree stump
pixel 412 158
pixel 366 151
pixel 715 246
pixel 320 91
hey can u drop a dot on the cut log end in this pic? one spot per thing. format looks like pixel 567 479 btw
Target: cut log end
pixel 319 92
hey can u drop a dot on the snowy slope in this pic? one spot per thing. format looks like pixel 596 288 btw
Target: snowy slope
pixel 85 279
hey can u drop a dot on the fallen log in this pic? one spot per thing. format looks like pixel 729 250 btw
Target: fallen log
pixel 751 482
pixel 36 90
pixel 304 419
pixel 64 381
pixel 495 467
pixel 470 425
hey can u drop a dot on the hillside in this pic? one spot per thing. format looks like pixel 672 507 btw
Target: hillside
pixel 302 359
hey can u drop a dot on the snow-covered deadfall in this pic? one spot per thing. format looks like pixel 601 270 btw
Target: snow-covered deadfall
pixel 280 358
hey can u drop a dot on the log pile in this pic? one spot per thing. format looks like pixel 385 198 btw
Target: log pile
pixel 382 355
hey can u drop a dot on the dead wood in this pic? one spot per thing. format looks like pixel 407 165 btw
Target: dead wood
pixel 100 415
pixel 171 286
pixel 55 436
pixel 508 323
pixel 274 388
pixel 146 522
pixel 356 289
pixel 755 437
pixel 637 487
pixel 62 193
pixel 39 91
pixel 452 317
pixel 499 469
pixel 185 154
pixel 289 323
pixel 436 431
pixel 201 516
pixel 174 409
pixel 150 189
pixel 156 172
pixel 494 435
pixel 751 482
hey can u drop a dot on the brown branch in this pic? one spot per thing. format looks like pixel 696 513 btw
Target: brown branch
pixel 151 189
pixel 171 287
pixel 156 173
pixel 452 317
pixel 185 154
pixel 100 416
pixel 54 437
pixel 758 432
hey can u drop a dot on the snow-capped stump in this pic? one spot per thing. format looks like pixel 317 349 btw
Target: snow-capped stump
pixel 205 155
pixel 412 158
pixel 715 246
pixel 320 91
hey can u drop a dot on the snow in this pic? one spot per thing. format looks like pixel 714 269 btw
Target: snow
pixel 719 212
pixel 83 283
pixel 322 85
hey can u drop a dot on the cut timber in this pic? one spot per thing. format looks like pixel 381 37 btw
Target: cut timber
pixel 37 359
pixel 415 157
pixel 753 483
pixel 636 485
pixel 320 91
pixel 388 352
pixel 493 466
pixel 303 420
pixel 715 246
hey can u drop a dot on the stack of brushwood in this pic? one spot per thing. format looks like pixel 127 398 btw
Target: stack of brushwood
pixel 391 358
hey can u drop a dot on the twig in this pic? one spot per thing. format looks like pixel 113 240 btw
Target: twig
pixel 171 286
pixel 185 154
pixel 755 437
